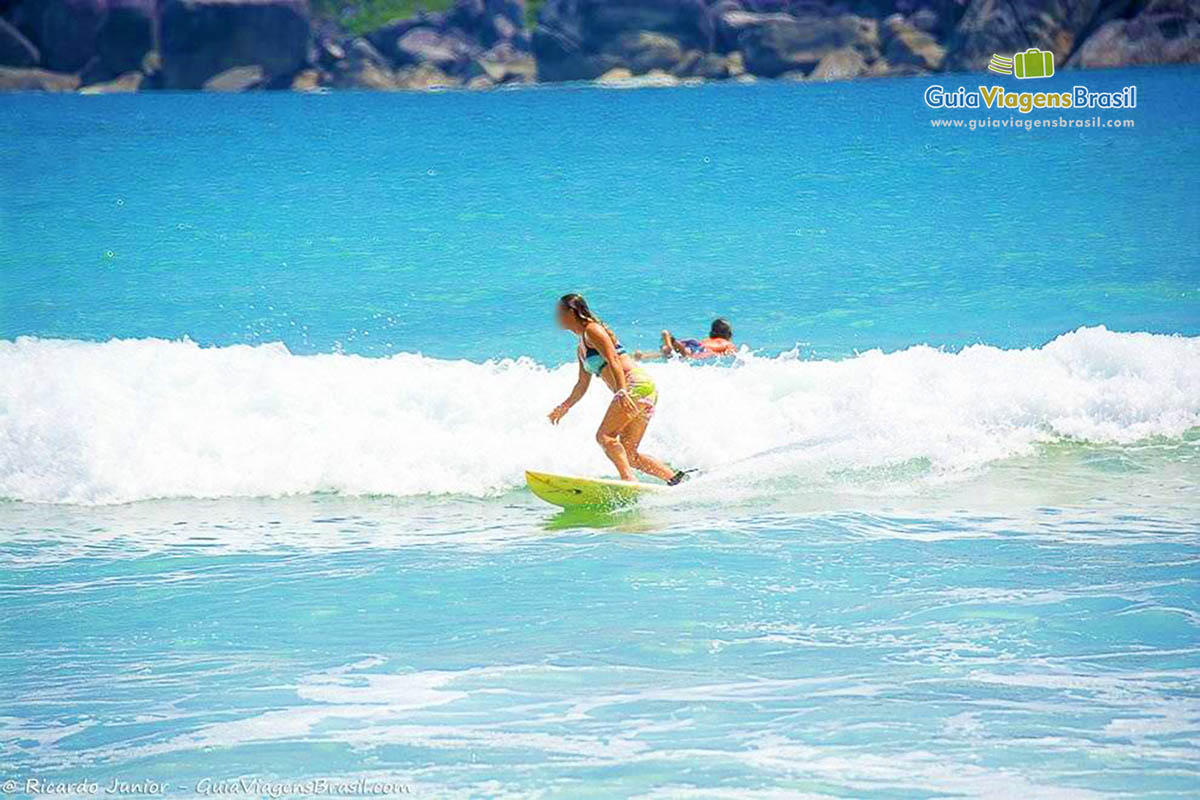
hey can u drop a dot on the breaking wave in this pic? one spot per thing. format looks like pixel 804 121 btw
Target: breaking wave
pixel 125 420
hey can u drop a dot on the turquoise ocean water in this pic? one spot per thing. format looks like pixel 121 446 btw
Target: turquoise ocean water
pixel 271 367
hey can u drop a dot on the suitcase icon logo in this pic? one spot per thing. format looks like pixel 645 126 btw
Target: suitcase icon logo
pixel 1033 63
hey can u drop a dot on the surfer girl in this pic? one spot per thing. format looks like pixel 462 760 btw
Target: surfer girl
pixel 634 393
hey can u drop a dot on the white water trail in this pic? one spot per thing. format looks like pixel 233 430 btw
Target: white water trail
pixel 126 420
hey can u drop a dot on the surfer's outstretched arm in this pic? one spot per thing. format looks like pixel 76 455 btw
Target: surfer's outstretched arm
pixel 581 386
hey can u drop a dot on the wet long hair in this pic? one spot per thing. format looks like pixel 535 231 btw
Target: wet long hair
pixel 578 306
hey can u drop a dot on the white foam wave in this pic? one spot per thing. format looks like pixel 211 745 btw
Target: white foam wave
pixel 127 420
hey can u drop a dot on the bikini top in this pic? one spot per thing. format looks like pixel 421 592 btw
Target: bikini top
pixel 593 359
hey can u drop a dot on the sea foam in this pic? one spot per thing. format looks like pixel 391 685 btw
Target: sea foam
pixel 125 420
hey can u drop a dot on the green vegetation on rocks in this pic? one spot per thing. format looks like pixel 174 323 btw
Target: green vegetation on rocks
pixel 363 16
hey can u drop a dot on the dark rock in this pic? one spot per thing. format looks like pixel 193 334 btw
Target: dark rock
pixel 125 37
pixel 122 84
pixel 737 65
pixel 360 50
pixel 107 37
pixel 643 51
pixel 203 38
pixel 905 44
pixel 446 51
pixel 64 31
pixel 451 39
pixel 774 43
pixel 935 17
pixel 561 56
pixel 839 65
pixel 1009 26
pixel 880 68
pixel 507 51
pixel 654 78
pixel 362 76
pixel 237 79
pixel 503 64
pixel 795 8
pixel 616 75
pixel 583 39
pixel 687 21
pixel 15 49
pixel 384 39
pixel 363 67
pixel 1165 32
pixel 489 22
pixel 151 63
pixel 686 62
pixel 767 6
pixel 708 66
pixel 505 31
pixel 328 47
pixel 329 51
pixel 730 19
pixel 424 76
pixel 36 80
pixel 623 78
pixel 925 19
pixel 306 80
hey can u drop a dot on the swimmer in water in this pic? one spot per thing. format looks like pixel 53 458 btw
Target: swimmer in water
pixel 634 394
pixel 718 343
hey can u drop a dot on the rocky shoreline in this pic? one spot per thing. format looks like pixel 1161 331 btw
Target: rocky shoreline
pixel 100 46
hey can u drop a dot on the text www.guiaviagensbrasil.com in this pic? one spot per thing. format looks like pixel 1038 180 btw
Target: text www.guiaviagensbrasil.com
pixel 1015 123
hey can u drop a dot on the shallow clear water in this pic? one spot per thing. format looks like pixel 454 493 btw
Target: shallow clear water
pixel 262 434
pixel 828 215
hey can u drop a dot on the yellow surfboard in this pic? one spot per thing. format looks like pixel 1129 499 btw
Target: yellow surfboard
pixel 570 491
